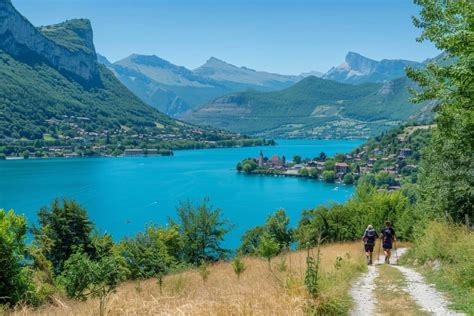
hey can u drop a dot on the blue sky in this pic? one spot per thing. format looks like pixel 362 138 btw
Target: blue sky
pixel 288 37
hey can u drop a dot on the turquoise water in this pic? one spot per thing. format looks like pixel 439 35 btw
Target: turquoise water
pixel 123 194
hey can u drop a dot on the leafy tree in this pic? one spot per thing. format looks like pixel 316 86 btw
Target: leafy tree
pixel 238 167
pixel 152 253
pixel 348 178
pixel 83 277
pixel 313 172
pixel 202 231
pixel 303 172
pixel 340 158
pixel 329 165
pixel 276 227
pixel 329 176
pixel 322 156
pixel 63 230
pixel 446 182
pixel 15 281
pixel 268 248
pixel 249 166
pixel 297 159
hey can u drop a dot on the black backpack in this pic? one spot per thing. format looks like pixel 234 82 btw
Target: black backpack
pixel 370 235
pixel 387 234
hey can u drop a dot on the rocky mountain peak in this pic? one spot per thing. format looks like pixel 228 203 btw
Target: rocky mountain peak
pixel 67 46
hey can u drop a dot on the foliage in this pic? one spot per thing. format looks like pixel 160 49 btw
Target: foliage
pixel 238 266
pixel 329 176
pixel 248 166
pixel 202 231
pixel 447 181
pixel 64 229
pixel 204 271
pixel 445 251
pixel 238 167
pixel 348 178
pixel 276 227
pixel 297 159
pixel 348 221
pixel 152 253
pixel 15 280
pixel 83 277
pixel 268 248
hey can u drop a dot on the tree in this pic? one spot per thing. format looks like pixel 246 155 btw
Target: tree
pixel 249 166
pixel 238 167
pixel 83 277
pixel 63 230
pixel 348 178
pixel 268 248
pixel 303 172
pixel 297 159
pixel 202 231
pixel 446 180
pixel 329 176
pixel 313 172
pixel 322 156
pixel 15 282
pixel 329 165
pixel 152 253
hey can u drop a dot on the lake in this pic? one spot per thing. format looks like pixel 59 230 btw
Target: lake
pixel 123 194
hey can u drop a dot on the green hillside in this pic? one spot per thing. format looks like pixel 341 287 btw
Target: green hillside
pixel 56 98
pixel 314 107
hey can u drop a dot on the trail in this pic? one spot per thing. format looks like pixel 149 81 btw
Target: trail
pixel 425 295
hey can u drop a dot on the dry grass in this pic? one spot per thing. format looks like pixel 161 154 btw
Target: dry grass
pixel 258 292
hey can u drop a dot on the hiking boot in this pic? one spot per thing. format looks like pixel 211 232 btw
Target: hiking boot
pixel 370 261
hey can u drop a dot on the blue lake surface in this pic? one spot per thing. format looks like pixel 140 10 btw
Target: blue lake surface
pixel 123 194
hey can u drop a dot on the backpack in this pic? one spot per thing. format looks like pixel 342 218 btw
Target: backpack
pixel 387 234
pixel 370 234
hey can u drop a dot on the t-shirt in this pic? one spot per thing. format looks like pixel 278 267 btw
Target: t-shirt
pixel 388 233
pixel 369 236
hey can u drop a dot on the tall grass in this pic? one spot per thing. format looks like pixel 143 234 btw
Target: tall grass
pixel 445 253
pixel 258 291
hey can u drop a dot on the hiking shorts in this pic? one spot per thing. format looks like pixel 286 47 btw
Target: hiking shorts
pixel 387 245
pixel 369 248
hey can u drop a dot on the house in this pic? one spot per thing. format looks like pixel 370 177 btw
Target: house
pixel 276 161
pixel 152 152
pixel 377 151
pixel 404 152
pixel 341 167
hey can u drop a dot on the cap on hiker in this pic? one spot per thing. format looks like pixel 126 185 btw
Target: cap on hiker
pixel 387 223
pixel 370 227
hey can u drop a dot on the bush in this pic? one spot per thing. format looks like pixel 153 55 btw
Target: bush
pixel 348 179
pixel 15 280
pixel 453 247
pixel 329 176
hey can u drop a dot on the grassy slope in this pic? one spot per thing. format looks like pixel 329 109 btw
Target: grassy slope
pixel 257 292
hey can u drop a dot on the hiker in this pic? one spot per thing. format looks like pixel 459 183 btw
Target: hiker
pixel 370 235
pixel 388 237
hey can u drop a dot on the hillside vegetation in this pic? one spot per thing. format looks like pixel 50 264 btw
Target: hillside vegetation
pixel 315 108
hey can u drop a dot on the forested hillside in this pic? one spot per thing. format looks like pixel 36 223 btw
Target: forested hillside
pixel 54 96
pixel 315 108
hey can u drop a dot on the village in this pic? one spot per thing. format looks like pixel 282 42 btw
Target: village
pixel 386 171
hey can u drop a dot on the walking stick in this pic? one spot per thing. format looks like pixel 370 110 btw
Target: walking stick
pixel 396 254
pixel 378 255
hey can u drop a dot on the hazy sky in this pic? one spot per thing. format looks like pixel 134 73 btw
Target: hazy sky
pixel 288 37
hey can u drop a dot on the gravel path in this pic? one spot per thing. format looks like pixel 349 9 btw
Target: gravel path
pixel 362 291
pixel 424 294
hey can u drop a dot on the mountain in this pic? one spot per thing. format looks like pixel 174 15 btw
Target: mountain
pixel 358 69
pixel 314 108
pixel 313 73
pixel 175 90
pixel 52 89
pixel 224 72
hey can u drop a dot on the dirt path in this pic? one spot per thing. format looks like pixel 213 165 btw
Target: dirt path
pixel 425 295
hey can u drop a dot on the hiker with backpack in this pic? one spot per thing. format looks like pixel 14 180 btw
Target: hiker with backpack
pixel 370 235
pixel 388 237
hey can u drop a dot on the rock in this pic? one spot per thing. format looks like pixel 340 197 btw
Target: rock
pixel 19 38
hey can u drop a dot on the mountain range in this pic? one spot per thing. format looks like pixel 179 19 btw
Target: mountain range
pixel 175 89
pixel 52 87
pixel 358 69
